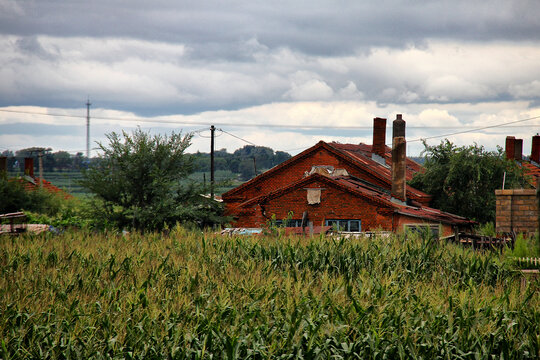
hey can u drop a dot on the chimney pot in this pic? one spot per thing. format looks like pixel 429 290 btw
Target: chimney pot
pixel 29 166
pixel 399 156
pixel 518 149
pixel 510 147
pixel 398 127
pixel 535 150
pixel 379 136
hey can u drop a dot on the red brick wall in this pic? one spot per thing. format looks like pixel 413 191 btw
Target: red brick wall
pixel 517 210
pixel 446 230
pixel 296 172
pixel 335 204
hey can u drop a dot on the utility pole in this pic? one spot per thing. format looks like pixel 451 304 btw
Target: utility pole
pixel 212 131
pixel 255 165
pixel 88 129
pixel 40 152
pixel 40 157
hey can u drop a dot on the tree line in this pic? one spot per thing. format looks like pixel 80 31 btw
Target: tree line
pixel 52 161
pixel 246 161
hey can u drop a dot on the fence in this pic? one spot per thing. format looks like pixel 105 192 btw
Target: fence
pixel 528 262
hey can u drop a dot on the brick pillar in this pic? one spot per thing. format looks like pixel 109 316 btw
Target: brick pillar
pixel 379 136
pixel 29 166
pixel 510 140
pixel 535 150
pixel 518 149
pixel 399 153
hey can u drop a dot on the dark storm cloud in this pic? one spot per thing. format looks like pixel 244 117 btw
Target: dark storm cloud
pixel 188 57
pixel 313 27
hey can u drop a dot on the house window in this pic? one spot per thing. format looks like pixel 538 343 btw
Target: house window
pixel 421 228
pixel 289 223
pixel 345 225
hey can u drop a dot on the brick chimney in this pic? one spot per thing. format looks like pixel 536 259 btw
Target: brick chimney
pixel 398 158
pixel 3 164
pixel 29 166
pixel 518 149
pixel 509 146
pixel 379 136
pixel 535 150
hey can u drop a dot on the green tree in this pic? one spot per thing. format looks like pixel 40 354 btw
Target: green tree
pixel 62 160
pixel 14 197
pixel 463 180
pixel 138 183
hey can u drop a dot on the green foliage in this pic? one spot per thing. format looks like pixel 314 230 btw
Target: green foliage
pixel 241 161
pixel 71 215
pixel 525 247
pixel 487 229
pixel 195 295
pixel 138 183
pixel 462 180
pixel 14 197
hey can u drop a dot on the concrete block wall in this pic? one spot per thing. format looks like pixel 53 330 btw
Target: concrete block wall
pixel 517 210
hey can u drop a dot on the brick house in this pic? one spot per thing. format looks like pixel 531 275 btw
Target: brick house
pixel 517 210
pixel 357 187
pixel 31 182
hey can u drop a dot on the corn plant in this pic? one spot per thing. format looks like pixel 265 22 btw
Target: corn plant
pixel 197 295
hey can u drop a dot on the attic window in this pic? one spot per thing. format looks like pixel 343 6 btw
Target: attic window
pixel 313 196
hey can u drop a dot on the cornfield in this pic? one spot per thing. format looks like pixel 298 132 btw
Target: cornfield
pixel 195 295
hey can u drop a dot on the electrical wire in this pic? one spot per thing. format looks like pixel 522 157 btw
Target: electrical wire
pixel 475 129
pixel 238 137
pixel 285 126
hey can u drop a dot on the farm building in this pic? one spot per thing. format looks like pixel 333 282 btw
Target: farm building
pixel 356 187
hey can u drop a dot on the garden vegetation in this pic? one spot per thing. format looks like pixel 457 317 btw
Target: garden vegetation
pixel 198 295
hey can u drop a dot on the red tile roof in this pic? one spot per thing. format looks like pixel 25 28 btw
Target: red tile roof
pixel 531 170
pixel 31 184
pixel 358 155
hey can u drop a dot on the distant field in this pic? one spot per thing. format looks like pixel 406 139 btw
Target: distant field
pixel 195 295
pixel 225 180
pixel 68 181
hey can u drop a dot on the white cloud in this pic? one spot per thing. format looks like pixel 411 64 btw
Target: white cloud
pixel 450 87
pixel 310 90
pixel 423 121
pixel 526 91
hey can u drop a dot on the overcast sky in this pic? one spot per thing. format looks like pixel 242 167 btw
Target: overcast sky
pixel 311 70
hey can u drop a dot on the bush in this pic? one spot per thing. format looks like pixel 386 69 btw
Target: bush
pixel 14 197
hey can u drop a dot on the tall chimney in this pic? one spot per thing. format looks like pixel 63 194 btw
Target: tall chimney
pixel 398 158
pixel 29 166
pixel 518 149
pixel 3 164
pixel 379 136
pixel 535 150
pixel 510 140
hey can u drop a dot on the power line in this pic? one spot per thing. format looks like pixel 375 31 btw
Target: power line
pixel 475 129
pixel 238 137
pixel 285 126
